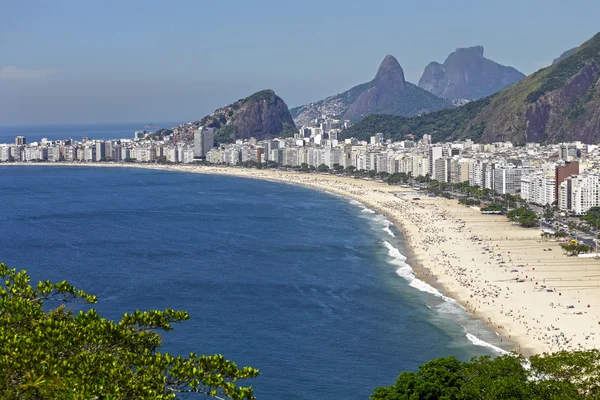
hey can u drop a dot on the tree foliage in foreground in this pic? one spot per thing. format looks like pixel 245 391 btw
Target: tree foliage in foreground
pixel 565 375
pixel 53 353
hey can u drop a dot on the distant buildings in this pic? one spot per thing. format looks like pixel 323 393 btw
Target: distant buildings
pixel 566 175
pixel 204 139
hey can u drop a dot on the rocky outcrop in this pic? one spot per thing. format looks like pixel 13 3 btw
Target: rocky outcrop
pixel 387 93
pixel 261 115
pixel 467 74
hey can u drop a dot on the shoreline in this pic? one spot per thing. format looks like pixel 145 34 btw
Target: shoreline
pixel 458 251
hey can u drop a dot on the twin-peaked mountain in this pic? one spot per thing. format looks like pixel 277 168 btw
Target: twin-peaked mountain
pixel 467 74
pixel 559 103
pixel 387 93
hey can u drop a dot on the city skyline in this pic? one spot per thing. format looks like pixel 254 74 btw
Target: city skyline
pixel 151 61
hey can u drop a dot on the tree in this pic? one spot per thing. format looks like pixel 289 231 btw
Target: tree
pixel 575 248
pixel 338 167
pixel 564 375
pixel 52 353
pixel 493 207
pixel 524 216
pixel 548 212
pixel 323 168
pixel 592 217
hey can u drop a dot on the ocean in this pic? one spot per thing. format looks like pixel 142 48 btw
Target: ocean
pixel 309 287
pixel 100 131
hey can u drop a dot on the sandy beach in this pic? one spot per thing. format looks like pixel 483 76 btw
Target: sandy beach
pixel 522 286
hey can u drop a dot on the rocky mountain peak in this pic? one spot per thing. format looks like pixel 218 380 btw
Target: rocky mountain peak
pixel 475 51
pixel 390 65
pixel 467 74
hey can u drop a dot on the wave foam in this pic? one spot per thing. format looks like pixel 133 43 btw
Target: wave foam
pixel 450 306
pixel 407 273
pixel 478 342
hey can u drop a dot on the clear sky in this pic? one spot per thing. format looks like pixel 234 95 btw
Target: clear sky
pixel 100 61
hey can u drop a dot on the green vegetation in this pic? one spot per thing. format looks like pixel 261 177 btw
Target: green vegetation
pixel 469 202
pixel 524 216
pixel 563 375
pixel 225 134
pixel 323 168
pixel 411 101
pixel 440 124
pixel 53 353
pixel 560 73
pixel 592 217
pixel 288 131
pixel 575 248
pixel 493 207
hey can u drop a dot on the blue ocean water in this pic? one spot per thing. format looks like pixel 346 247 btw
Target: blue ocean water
pixel 301 284
pixel 35 133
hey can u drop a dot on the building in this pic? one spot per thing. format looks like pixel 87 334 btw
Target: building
pixel 442 169
pixel 5 153
pixel 435 152
pixel 538 188
pixel 20 141
pixel 579 193
pixel 507 178
pixel 204 141
pixel 564 171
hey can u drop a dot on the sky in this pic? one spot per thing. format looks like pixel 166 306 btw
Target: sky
pixel 73 61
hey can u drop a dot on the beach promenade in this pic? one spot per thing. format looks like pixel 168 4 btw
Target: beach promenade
pixel 521 285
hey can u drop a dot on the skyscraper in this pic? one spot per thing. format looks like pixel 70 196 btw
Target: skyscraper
pixel 21 141
pixel 204 140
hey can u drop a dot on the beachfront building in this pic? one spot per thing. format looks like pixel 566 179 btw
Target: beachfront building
pixel 442 169
pixel 435 152
pixel 5 153
pixel 204 140
pixel 538 188
pixel 507 178
pixel 579 193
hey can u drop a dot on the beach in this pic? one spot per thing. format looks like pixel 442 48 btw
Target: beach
pixel 511 279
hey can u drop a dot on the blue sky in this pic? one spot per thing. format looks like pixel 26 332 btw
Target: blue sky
pixel 100 61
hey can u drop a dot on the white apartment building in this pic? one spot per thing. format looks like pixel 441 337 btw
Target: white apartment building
pixel 171 154
pixel 579 193
pixel 188 155
pixel 507 179
pixel 538 188
pixel 435 152
pixel 5 153
pixel 442 168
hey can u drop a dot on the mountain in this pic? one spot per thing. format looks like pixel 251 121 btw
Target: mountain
pixel 467 74
pixel 563 56
pixel 261 115
pixel 555 104
pixel 387 93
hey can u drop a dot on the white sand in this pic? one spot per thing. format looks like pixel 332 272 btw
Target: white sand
pixel 459 247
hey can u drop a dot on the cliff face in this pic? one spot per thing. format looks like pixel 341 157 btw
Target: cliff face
pixel 261 115
pixel 387 93
pixel 467 74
